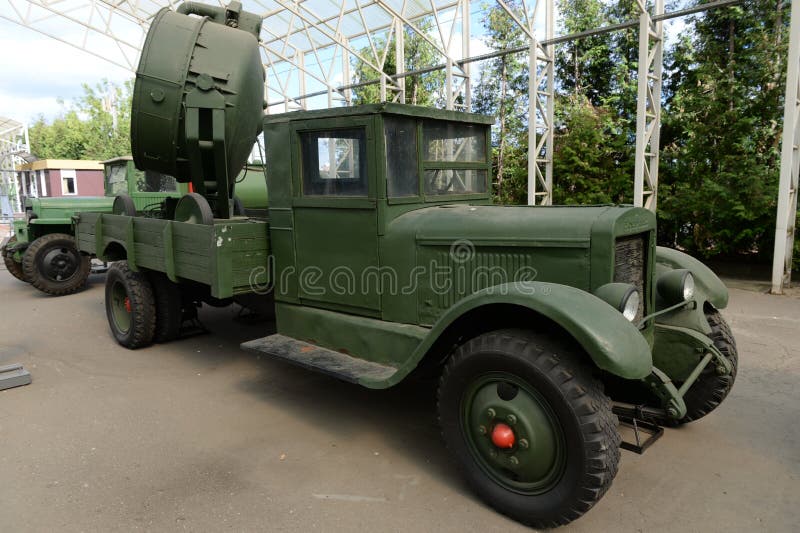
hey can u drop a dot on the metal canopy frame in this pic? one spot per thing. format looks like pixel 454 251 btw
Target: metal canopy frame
pixel 13 145
pixel 308 47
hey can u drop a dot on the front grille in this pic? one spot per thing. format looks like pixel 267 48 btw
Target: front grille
pixel 630 265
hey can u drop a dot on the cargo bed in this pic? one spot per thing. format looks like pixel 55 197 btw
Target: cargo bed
pixel 230 256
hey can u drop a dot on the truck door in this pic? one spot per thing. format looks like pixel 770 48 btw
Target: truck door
pixel 335 214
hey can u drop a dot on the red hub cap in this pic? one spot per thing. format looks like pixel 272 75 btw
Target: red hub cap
pixel 127 304
pixel 503 436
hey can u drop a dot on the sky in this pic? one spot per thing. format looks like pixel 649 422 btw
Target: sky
pixel 35 71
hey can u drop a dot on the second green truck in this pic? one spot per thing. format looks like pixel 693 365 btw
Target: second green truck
pixel 41 250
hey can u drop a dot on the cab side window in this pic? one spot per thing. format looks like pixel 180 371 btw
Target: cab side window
pixel 335 162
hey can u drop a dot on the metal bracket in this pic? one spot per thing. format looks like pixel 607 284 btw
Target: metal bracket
pixel 671 399
pixel 653 432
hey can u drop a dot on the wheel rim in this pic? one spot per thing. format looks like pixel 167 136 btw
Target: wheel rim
pixel 120 307
pixel 535 461
pixel 60 263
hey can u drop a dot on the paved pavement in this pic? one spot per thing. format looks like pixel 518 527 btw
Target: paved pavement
pixel 198 435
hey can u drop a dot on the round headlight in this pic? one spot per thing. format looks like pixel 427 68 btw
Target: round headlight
pixel 676 286
pixel 631 305
pixel 621 296
pixel 688 286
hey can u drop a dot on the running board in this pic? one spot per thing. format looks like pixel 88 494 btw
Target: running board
pixel 336 364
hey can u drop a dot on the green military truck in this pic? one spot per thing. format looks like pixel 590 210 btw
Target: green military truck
pixel 380 253
pixel 42 249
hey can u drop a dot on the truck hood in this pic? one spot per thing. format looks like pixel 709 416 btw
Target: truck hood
pixel 504 225
pixel 62 208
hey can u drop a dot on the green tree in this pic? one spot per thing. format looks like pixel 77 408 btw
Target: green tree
pixel 585 66
pixel 722 132
pixel 421 89
pixel 95 126
pixel 586 154
pixel 595 111
pixel 502 91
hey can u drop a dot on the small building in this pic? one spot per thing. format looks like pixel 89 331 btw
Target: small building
pixel 60 177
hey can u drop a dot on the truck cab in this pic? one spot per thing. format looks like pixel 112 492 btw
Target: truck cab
pixel 146 188
pixel 384 212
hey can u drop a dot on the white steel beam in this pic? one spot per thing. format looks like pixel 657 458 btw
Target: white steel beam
pixel 465 47
pixel 400 58
pixel 541 102
pixel 648 108
pixel 790 162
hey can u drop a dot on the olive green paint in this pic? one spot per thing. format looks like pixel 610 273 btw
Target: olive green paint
pixel 231 256
pixel 707 285
pixel 48 215
pixel 197 111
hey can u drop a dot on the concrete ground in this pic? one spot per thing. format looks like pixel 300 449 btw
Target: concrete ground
pixel 198 435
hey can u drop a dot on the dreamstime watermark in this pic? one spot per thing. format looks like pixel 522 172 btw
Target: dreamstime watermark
pixel 460 272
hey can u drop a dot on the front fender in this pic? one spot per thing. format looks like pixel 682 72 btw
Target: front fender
pixel 708 286
pixel 613 343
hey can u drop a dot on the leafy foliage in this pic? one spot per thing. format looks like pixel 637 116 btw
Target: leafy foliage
pixel 721 120
pixel 91 128
pixel 721 134
pixel 502 91
pixel 422 89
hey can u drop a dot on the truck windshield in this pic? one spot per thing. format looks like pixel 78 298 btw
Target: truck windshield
pixel 454 158
pixel 117 184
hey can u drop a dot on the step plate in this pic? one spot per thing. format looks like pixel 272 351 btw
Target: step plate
pixel 13 376
pixel 336 364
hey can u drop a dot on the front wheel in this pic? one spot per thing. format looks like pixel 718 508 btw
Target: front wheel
pixel 529 426
pixel 53 264
pixel 130 306
pixel 710 389
pixel 12 265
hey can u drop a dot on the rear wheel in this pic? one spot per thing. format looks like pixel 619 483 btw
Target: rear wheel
pixel 531 429
pixel 13 266
pixel 169 307
pixel 130 306
pixel 54 265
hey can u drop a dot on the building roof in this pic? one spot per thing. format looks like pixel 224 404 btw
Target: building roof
pixel 58 164
pixel 116 159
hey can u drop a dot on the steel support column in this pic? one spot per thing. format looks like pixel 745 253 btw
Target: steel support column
pixel 541 98
pixel 465 47
pixel 648 108
pixel 790 162
pixel 400 59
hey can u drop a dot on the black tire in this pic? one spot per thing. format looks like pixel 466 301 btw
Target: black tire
pixel 123 205
pixel 13 266
pixel 711 389
pixel 575 452
pixel 54 265
pixel 130 306
pixel 169 307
